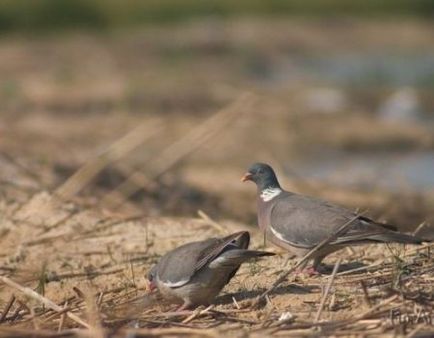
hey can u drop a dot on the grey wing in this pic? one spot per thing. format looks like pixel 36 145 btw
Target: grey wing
pixel 238 240
pixel 176 268
pixel 303 222
pixel 365 230
pixel 235 257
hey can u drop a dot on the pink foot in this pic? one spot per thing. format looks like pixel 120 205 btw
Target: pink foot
pixel 310 271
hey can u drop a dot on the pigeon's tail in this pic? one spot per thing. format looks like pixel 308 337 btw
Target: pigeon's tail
pixel 236 257
pixel 243 240
pixel 256 253
pixel 397 237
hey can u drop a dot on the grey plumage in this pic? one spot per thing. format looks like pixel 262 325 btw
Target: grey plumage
pixel 298 223
pixel 196 272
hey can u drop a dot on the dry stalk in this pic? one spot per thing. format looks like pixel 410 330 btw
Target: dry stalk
pixel 196 314
pixel 365 294
pixel 48 303
pixel 93 315
pixel 34 319
pixel 327 290
pixel 362 268
pixel 26 171
pixel 116 151
pixel 7 308
pixel 60 222
pixel 14 332
pixel 62 317
pixel 161 332
pixel 220 228
pixel 419 228
pixel 178 150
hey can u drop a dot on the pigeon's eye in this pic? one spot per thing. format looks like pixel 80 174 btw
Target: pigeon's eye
pixel 260 171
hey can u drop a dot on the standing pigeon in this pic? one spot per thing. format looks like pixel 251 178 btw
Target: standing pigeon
pixel 196 272
pixel 298 223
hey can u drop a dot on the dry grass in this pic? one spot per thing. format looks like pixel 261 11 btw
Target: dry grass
pixel 92 266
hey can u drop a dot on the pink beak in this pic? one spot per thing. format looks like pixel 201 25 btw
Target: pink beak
pixel 246 177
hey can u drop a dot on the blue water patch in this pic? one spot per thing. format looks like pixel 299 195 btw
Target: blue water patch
pixel 390 171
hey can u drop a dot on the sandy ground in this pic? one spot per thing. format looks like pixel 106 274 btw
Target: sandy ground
pixel 82 256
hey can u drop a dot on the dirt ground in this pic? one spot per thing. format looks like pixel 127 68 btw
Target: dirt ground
pixel 66 101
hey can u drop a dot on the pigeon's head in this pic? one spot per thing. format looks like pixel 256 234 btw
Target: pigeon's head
pixel 263 175
pixel 151 276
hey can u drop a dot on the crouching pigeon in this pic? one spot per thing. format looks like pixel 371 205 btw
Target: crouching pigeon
pixel 194 273
pixel 298 223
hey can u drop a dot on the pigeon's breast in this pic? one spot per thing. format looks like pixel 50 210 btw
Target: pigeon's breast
pixel 264 212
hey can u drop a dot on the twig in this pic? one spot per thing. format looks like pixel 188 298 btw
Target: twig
pixel 16 312
pixel 45 239
pixel 179 150
pixel 93 316
pixel 350 250
pixel 347 272
pixel 100 298
pixel 14 332
pixel 176 324
pixel 365 293
pixel 48 303
pixel 30 173
pixel 62 317
pixel 160 332
pixel 327 290
pixel 109 224
pixel 308 256
pixel 60 222
pixel 34 319
pixel 116 151
pixel 196 314
pixel 419 228
pixel 7 308
pixel 210 221
pixel 236 303
pixel 169 315
pixel 78 292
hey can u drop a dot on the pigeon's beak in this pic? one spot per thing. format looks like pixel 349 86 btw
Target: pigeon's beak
pixel 151 286
pixel 246 177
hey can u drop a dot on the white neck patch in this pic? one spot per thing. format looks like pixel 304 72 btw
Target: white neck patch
pixel 269 193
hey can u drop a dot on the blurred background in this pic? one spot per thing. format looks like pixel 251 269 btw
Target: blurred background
pixel 337 95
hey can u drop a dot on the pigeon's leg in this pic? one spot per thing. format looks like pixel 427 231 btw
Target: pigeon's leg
pixel 311 271
pixel 316 266
pixel 301 269
pixel 317 261
pixel 185 306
